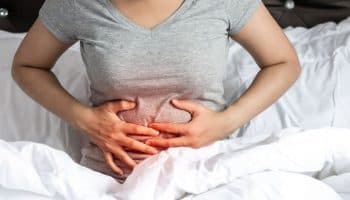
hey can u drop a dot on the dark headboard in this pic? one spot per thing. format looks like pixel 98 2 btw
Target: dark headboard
pixel 308 13
pixel 22 13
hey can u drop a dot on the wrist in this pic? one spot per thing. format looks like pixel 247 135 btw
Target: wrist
pixel 231 120
pixel 80 116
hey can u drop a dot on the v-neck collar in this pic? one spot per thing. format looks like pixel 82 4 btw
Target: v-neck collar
pixel 117 14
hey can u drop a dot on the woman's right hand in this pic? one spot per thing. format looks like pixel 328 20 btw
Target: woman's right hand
pixel 110 133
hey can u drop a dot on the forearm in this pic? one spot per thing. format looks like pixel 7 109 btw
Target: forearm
pixel 43 86
pixel 270 84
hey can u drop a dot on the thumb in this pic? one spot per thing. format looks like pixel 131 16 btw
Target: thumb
pixel 187 105
pixel 121 105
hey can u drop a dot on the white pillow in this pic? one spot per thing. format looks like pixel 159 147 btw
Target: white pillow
pixel 23 119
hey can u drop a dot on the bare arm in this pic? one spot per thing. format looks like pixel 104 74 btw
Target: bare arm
pixel 266 42
pixel 31 69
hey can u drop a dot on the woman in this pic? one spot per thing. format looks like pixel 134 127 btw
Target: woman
pixel 156 69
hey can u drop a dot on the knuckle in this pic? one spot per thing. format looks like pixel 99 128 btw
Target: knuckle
pixel 131 143
pixel 106 134
pixel 113 136
pixel 138 129
pixel 116 137
pixel 115 126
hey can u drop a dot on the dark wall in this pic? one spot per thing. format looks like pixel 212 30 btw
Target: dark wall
pixel 308 13
pixel 22 13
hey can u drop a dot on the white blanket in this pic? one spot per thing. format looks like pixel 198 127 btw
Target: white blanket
pixel 276 167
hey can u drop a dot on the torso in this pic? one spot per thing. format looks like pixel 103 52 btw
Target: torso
pixel 180 53
pixel 182 56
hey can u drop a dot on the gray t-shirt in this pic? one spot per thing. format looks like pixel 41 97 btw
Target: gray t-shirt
pixel 183 57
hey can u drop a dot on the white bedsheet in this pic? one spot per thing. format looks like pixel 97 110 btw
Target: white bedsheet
pixel 279 168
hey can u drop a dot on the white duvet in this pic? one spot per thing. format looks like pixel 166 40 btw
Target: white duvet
pixel 280 166
pixel 266 163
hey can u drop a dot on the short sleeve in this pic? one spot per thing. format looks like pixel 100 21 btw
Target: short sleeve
pixel 239 12
pixel 58 16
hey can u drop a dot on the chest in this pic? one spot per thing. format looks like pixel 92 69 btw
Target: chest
pixel 188 53
pixel 147 14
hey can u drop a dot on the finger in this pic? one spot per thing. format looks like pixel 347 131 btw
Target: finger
pixel 130 150
pixel 166 143
pixel 173 128
pixel 187 105
pixel 143 138
pixel 122 105
pixel 140 137
pixel 116 150
pixel 139 130
pixel 121 155
pixel 137 146
pixel 167 135
pixel 124 167
pixel 111 164
pixel 138 156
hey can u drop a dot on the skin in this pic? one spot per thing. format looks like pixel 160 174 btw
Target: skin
pixel 125 144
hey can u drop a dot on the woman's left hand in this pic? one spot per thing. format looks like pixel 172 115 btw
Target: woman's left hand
pixel 205 127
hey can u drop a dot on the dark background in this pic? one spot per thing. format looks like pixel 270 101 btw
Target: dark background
pixel 307 13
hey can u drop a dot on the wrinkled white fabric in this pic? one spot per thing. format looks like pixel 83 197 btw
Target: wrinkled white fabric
pixel 320 97
pixel 269 185
pixel 283 162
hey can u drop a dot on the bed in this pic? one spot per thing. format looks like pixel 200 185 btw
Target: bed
pixel 296 149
